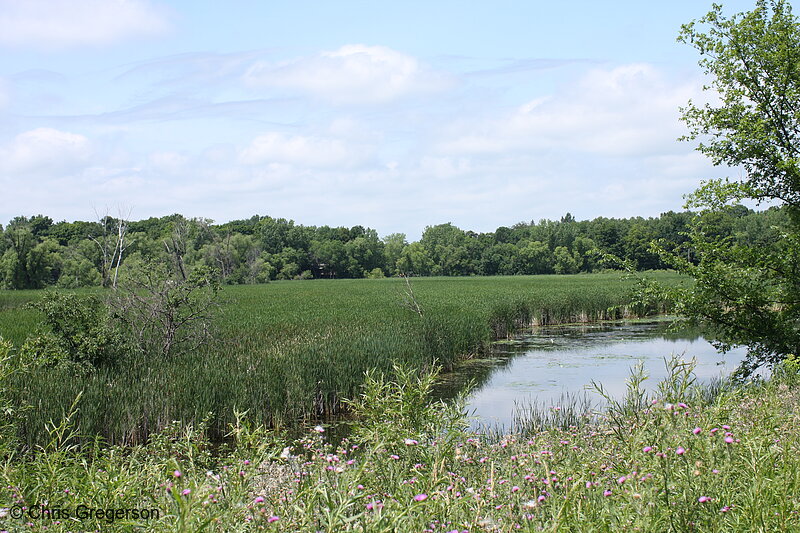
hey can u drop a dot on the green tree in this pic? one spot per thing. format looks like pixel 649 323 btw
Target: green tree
pixel 393 246
pixel 749 293
pixel 564 261
pixel 415 261
pixel 535 258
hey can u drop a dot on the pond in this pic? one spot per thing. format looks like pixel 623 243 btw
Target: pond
pixel 548 364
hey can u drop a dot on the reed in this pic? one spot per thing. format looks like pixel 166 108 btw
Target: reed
pixel 290 351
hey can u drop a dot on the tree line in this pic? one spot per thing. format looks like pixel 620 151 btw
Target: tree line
pixel 36 252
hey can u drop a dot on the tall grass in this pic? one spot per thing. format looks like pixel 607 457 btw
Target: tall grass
pixel 291 351
pixel 670 463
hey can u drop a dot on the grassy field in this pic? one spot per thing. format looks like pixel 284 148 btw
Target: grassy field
pixel 290 351
pixel 685 458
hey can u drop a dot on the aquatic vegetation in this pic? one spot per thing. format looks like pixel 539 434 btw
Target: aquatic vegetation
pixel 290 351
pixel 660 474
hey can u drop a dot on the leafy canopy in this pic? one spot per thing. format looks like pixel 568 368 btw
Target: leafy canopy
pixel 748 290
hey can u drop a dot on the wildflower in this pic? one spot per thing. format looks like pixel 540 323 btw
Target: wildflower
pixel 729 439
pixel 680 450
pixel 696 431
pixel 410 442
pixel 177 473
pixel 259 499
pixel 273 518
pixel 622 480
pixel 647 449
pixel 703 499
pixel 725 509
pixel 319 429
pixel 607 492
pixel 186 492
pixel 286 453
pixel 420 497
pixel 514 488
pixel 395 457
pixel 541 498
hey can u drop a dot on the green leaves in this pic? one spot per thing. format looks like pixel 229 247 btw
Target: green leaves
pixel 754 60
pixel 80 331
pixel 749 291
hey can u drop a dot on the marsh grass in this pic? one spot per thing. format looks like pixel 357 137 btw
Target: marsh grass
pixel 675 463
pixel 289 352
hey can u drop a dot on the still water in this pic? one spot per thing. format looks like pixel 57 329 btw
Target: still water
pixel 548 363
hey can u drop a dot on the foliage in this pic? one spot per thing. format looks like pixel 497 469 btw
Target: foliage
pixel 754 61
pixel 746 288
pixel 36 253
pixel 79 329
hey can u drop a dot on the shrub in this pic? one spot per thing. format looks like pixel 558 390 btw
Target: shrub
pixel 81 331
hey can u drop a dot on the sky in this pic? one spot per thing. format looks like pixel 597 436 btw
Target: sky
pixel 390 115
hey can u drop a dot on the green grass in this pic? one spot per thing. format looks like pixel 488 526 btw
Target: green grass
pixel 291 351
pixel 693 462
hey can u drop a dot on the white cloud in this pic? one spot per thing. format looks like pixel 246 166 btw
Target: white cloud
pixel 168 162
pixel 630 110
pixel 52 24
pixel 45 150
pixel 302 151
pixel 353 74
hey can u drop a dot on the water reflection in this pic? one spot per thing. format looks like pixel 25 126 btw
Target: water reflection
pixel 551 362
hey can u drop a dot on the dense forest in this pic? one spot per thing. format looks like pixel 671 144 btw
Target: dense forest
pixel 36 252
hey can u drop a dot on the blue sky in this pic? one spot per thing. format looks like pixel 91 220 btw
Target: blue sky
pixel 392 115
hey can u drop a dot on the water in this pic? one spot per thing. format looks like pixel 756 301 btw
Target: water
pixel 544 365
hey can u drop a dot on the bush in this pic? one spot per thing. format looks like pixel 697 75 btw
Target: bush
pixel 81 331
